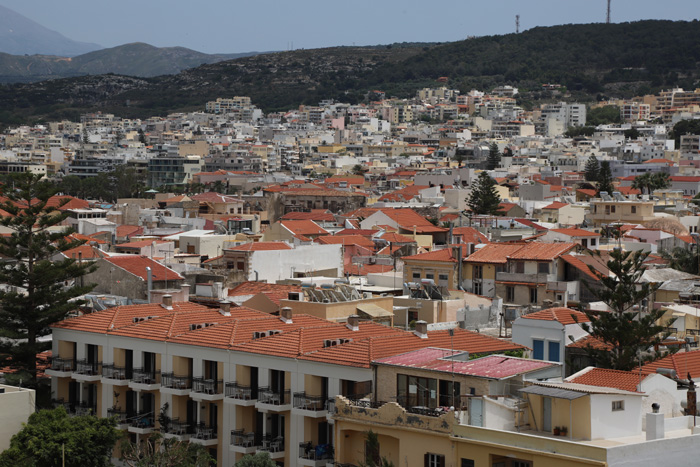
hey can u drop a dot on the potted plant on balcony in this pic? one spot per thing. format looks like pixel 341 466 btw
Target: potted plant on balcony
pixel 557 431
pixel 564 431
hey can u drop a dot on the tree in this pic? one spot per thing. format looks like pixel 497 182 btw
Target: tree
pixel 642 182
pixel 86 440
pixel 627 330
pixel 603 115
pixel 41 289
pixel 142 136
pixel 156 451
pixel 605 178
pixel 358 170
pixel 632 133
pixel 682 259
pixel 684 127
pixel 651 182
pixel 260 459
pixel 372 457
pixel 592 169
pixel 494 158
pixel 660 181
pixel 484 198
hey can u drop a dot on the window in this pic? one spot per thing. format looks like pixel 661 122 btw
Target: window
pixel 448 396
pixel 634 209
pixel 434 460
pixel 467 463
pixel 519 267
pixel 414 391
pixel 510 294
pixel 478 272
pixel 553 352
pixel 543 268
pixel 612 209
pixel 519 463
pixel 477 288
pixel 607 209
pixel 533 294
pixel 430 276
pixel 443 277
pixel 537 349
pixel 618 405
pixel 416 275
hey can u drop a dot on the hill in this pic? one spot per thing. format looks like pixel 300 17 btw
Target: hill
pixel 592 60
pixel 136 59
pixel 19 35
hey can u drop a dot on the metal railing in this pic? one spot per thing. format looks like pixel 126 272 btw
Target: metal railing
pixel 204 431
pixel 237 391
pixel 244 439
pixel 142 376
pixel 307 450
pixel 84 367
pixel 330 406
pixel 86 409
pixel 173 381
pixel 62 364
pixel 207 386
pixel 143 420
pixel 268 396
pixel 366 403
pixel 271 444
pixel 112 371
pixel 308 402
pixel 178 427
pixel 117 412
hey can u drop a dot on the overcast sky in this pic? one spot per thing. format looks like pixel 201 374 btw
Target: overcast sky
pixel 230 26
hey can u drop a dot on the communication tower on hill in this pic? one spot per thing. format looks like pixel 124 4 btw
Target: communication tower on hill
pixel 608 16
pixel 517 24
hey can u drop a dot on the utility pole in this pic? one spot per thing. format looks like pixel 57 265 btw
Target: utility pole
pixel 608 16
pixel 517 24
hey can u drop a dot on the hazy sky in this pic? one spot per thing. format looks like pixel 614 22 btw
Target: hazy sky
pixel 230 26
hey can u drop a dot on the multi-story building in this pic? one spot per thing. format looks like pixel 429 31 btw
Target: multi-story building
pixel 605 211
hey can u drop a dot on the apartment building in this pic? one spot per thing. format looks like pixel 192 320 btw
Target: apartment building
pixel 606 210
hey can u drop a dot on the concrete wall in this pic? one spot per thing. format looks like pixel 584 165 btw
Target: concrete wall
pixel 612 424
pixel 277 265
pixel 16 405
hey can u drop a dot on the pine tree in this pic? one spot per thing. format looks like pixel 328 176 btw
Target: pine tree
pixel 605 178
pixel 627 330
pixel 39 287
pixel 494 158
pixel 592 169
pixel 484 198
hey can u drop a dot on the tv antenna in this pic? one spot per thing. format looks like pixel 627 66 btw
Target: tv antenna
pixel 517 24
pixel 608 16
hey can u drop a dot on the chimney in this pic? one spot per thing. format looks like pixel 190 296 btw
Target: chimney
pixel 149 273
pixel 655 424
pixel 185 290
pixel 225 307
pixel 353 323
pixel 421 329
pixel 167 302
pixel 286 315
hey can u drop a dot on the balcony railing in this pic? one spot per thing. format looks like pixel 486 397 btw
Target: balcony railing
pixel 143 420
pixel 207 386
pixel 237 391
pixel 179 427
pixel 330 406
pixel 62 364
pixel 365 403
pixel 272 444
pixel 204 431
pixel 86 409
pixel 243 439
pixel 119 413
pixel 142 376
pixel 305 401
pixel 268 396
pixel 113 372
pixel 83 367
pixel 318 452
pixel 419 409
pixel 173 381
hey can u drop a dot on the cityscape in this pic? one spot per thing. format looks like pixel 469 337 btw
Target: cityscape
pixel 439 272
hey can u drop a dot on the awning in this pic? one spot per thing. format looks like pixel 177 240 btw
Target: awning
pixel 374 311
pixel 553 392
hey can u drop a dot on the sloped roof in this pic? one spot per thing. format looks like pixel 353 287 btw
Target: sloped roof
pixel 539 251
pixel 562 315
pixel 469 235
pixel 444 255
pixel 623 380
pixel 136 265
pixel 319 215
pixel 556 205
pixel 304 227
pixel 682 362
pixel 346 240
pixel 574 232
pixel 494 253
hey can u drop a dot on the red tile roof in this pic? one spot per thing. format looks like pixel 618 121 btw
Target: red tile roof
pixel 318 215
pixel 555 205
pixel 470 235
pixel 573 232
pixel 537 251
pixel 252 288
pixel 346 240
pixel 137 265
pixel 404 194
pixel 394 237
pixel 260 246
pixel 440 256
pixel 364 269
pixel 682 362
pixel 624 380
pixel 363 232
pixel 304 227
pixel 84 252
pixel 494 253
pixel 563 315
pixel 576 262
pixel 128 230
pixel 590 341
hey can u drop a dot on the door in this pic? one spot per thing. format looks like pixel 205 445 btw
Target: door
pixel 130 404
pixel 254 382
pixel 476 411
pixel 546 414
pixel 73 394
pixel 538 349
pixel 213 417
pixel 191 415
pixel 554 352
pixel 129 363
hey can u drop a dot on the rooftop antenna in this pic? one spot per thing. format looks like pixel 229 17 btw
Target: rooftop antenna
pixel 608 16
pixel 517 24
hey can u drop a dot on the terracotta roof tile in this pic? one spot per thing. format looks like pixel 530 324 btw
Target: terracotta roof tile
pixel 624 380
pixel 260 246
pixel 493 253
pixel 304 227
pixel 563 315
pixel 682 362
pixel 573 232
pixel 539 251
pixel 137 265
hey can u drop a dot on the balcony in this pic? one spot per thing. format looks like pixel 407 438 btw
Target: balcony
pixel 122 417
pixel 180 430
pixel 206 435
pixel 114 375
pixel 273 401
pixel 69 406
pixel 243 442
pixel 308 405
pixel 61 367
pixel 315 456
pixel 207 389
pixel 273 445
pixel 145 380
pixel 87 371
pixel 239 395
pixel 142 423
pixel 84 408
pixel 176 385
pixel 539 278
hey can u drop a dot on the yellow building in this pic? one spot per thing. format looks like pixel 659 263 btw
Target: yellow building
pixel 603 212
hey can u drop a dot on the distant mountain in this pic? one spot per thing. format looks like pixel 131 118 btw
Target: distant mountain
pixel 19 35
pixel 593 61
pixel 136 59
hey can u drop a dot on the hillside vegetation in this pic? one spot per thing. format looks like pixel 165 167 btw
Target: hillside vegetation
pixel 591 60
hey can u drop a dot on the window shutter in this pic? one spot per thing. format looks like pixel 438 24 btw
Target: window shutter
pixel 426 460
pixel 441 461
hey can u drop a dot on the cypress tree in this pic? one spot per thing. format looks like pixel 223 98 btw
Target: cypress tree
pixel 605 178
pixel 484 198
pixel 494 158
pixel 592 169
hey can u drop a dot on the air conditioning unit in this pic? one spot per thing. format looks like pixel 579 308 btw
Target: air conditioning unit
pixel 273 333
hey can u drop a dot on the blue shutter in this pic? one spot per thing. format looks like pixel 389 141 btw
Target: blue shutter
pixel 538 349
pixel 553 352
